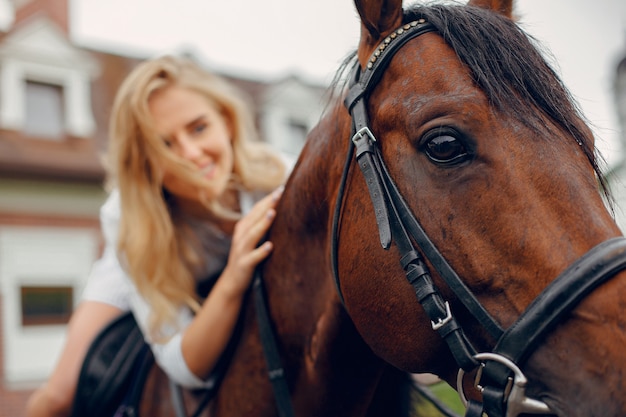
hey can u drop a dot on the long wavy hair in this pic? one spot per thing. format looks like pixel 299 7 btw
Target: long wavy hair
pixel 155 244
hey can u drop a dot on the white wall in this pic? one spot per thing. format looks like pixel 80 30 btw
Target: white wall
pixel 40 256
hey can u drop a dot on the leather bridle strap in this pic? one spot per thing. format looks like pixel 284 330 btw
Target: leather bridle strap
pixel 360 86
pixel 550 308
pixel 438 262
pixel 275 370
pixel 560 297
pixel 438 310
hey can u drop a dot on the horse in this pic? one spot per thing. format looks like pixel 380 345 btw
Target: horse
pixel 448 215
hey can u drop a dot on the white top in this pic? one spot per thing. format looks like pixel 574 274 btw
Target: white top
pixel 109 283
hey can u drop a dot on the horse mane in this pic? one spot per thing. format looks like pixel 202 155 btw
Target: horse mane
pixel 505 63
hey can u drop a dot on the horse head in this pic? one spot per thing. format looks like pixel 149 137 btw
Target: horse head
pixel 478 172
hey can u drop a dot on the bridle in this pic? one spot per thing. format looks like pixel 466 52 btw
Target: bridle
pixel 500 380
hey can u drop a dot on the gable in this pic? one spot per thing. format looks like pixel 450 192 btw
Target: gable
pixel 41 41
pixel 36 50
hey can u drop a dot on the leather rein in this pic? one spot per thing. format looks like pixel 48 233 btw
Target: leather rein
pixel 500 381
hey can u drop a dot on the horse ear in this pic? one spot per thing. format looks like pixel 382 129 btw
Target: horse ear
pixel 504 7
pixel 378 19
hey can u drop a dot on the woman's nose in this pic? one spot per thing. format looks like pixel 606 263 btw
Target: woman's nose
pixel 188 148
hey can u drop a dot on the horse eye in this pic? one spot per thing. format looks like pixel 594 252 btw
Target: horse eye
pixel 444 147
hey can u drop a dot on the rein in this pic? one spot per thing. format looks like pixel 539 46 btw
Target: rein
pixel 500 379
pixel 275 370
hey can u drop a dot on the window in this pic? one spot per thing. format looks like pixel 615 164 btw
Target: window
pixel 44 110
pixel 46 305
pixel 46 82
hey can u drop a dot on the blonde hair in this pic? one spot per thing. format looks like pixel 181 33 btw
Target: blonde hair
pixel 157 247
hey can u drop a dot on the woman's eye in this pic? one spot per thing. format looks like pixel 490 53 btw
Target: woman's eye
pixel 444 147
pixel 199 128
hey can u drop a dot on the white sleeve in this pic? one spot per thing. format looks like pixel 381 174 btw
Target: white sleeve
pixel 169 355
pixel 107 282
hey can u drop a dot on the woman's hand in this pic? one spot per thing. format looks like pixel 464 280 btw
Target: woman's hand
pixel 244 254
pixel 208 334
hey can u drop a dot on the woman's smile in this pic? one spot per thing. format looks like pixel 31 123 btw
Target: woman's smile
pixel 195 130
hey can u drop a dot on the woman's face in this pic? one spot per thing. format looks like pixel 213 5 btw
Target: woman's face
pixel 194 129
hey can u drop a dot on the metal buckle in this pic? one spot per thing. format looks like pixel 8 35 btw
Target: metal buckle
pixel 364 131
pixel 442 321
pixel 517 402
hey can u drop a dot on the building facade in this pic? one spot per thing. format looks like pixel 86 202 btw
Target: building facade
pixel 55 100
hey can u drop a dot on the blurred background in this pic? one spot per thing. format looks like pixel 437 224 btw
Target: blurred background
pixel 61 62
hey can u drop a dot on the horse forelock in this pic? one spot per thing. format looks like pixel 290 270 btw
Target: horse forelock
pixel 506 64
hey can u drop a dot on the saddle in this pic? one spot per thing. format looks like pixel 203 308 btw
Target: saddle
pixel 114 371
pixel 117 365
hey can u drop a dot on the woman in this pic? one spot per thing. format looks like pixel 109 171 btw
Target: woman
pixel 184 167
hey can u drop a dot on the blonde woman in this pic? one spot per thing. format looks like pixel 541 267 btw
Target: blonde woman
pixel 192 196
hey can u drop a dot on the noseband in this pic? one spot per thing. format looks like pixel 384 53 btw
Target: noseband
pixel 500 379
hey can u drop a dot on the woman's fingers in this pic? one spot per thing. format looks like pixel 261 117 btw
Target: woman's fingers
pixel 260 253
pixel 261 208
pixel 245 255
pixel 258 220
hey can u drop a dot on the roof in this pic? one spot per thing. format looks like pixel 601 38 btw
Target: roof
pixel 70 157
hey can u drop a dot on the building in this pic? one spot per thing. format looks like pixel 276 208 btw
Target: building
pixel 55 98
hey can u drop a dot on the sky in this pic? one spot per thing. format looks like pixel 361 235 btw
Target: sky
pixel 275 38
